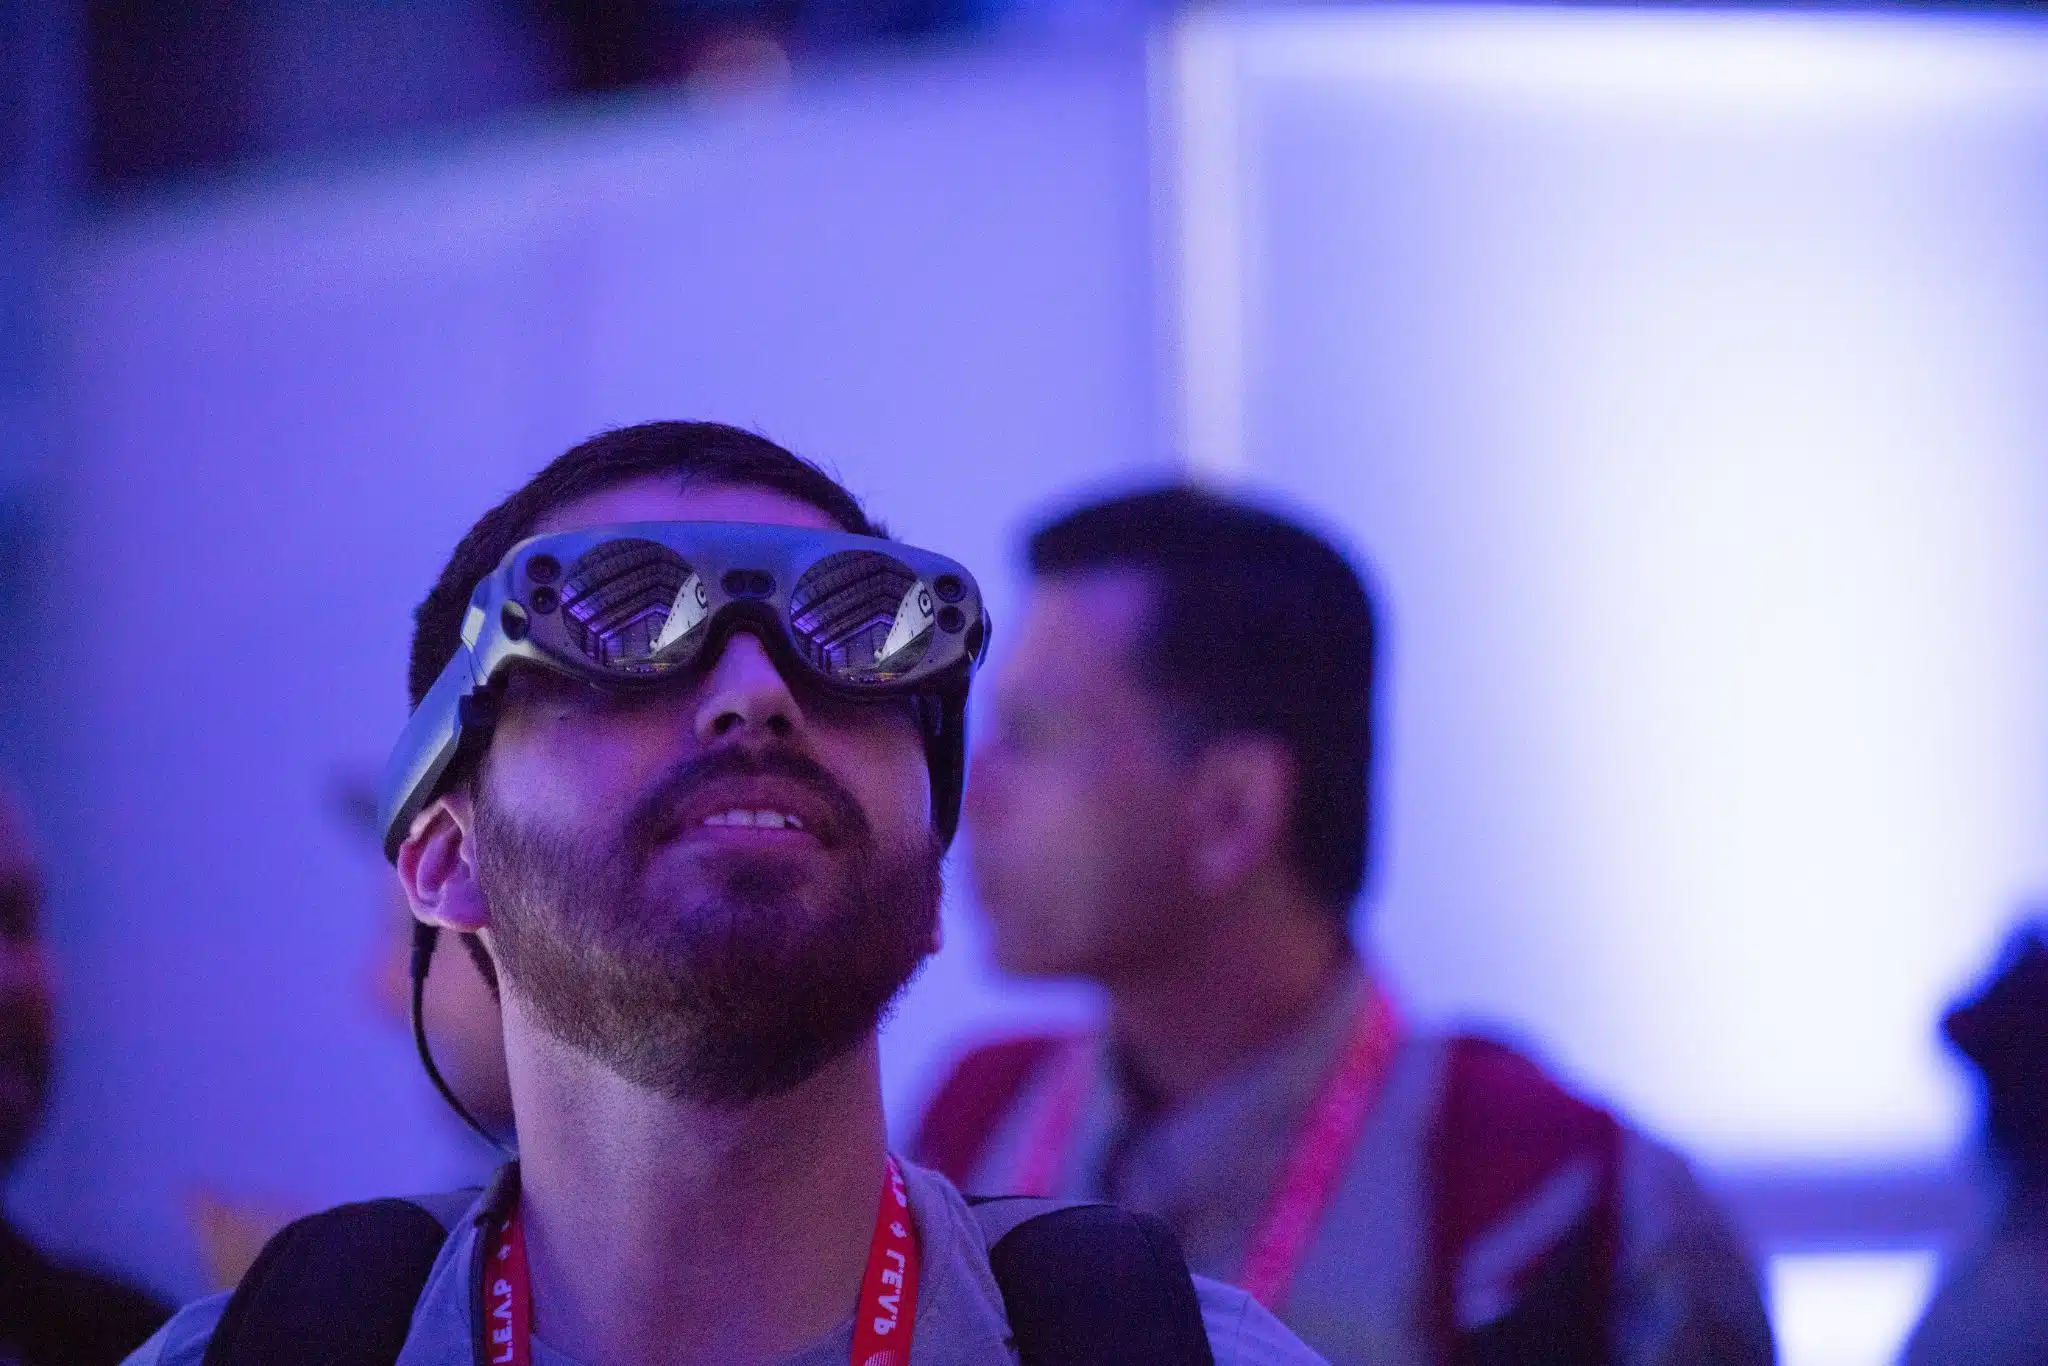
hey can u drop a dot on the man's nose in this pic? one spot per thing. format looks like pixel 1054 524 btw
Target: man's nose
pixel 744 696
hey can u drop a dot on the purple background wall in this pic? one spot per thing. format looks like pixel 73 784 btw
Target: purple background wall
pixel 1683 374
pixel 1680 379
pixel 288 399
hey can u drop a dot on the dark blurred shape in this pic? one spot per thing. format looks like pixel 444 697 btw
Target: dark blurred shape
pixel 50 1315
pixel 1992 1308
pixel 606 44
pixel 616 44
pixel 211 83
pixel 2003 1032
pixel 174 88
pixel 167 86
pixel 27 1049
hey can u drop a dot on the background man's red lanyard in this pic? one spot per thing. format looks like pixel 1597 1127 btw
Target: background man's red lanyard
pixel 882 1322
pixel 1315 1163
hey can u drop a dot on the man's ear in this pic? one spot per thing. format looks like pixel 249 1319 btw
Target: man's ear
pixel 437 866
pixel 1241 801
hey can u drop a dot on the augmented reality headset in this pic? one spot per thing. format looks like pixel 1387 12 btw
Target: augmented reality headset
pixel 638 605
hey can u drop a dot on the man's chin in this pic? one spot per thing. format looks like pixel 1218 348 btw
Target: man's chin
pixel 780 860
pixel 719 967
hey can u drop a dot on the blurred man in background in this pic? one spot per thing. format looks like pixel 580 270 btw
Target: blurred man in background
pixel 50 1315
pixel 1172 803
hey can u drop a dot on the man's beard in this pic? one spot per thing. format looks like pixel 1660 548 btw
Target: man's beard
pixel 740 983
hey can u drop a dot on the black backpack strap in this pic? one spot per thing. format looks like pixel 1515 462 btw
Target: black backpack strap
pixel 1092 1285
pixel 336 1288
pixel 1083 1285
pixel 447 1207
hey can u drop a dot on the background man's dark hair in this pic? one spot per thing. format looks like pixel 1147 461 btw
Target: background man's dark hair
pixel 1256 625
pixel 692 452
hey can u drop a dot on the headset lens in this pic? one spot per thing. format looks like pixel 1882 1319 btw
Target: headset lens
pixel 862 617
pixel 634 607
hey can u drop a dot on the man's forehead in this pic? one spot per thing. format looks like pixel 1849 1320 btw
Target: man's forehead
pixel 665 498
pixel 1084 623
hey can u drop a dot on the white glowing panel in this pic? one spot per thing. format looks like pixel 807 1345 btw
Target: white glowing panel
pixel 1682 375
pixel 1847 1309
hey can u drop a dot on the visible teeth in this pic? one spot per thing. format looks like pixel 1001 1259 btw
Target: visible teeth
pixel 768 820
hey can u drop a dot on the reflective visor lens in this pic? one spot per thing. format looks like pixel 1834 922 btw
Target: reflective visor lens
pixel 862 617
pixel 634 608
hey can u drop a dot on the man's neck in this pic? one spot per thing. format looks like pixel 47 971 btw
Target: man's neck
pixel 1211 1007
pixel 662 1232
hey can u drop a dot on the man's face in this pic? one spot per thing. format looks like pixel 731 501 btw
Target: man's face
pixel 717 887
pixel 1077 853
pixel 26 1045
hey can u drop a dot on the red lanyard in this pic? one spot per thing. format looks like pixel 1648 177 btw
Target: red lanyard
pixel 888 1292
pixel 882 1323
pixel 508 1298
pixel 1314 1165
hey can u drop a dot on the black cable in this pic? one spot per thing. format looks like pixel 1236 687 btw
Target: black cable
pixel 424 938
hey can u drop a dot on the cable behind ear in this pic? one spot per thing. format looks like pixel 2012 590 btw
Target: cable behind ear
pixel 424 938
pixel 942 719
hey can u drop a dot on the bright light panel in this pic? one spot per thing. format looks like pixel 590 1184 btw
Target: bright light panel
pixel 1848 1309
pixel 1681 374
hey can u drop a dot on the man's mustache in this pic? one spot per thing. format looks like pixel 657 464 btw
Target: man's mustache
pixel 647 824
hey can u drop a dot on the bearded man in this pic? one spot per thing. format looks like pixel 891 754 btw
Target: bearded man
pixel 685 752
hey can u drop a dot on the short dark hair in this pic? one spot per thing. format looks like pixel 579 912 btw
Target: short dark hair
pixel 1256 625
pixel 692 452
